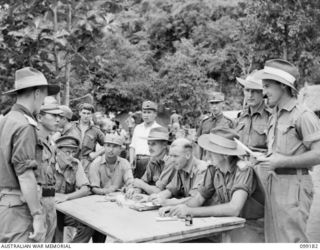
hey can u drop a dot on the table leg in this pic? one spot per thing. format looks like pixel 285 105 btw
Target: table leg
pixel 226 237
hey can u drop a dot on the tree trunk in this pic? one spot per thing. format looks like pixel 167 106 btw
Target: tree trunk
pixel 56 57
pixel 68 66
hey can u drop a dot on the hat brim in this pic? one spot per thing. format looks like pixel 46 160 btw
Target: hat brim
pixel 67 146
pixel 112 142
pixel 158 139
pixel 249 85
pixel 52 89
pixel 267 76
pixel 205 143
pixel 53 112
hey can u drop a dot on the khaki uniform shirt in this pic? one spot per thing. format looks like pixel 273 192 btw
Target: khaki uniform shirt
pixel 70 177
pixel 18 142
pixel 186 181
pixel 45 173
pixel 220 186
pixel 158 173
pixel 252 128
pixel 292 129
pixel 92 136
pixel 102 175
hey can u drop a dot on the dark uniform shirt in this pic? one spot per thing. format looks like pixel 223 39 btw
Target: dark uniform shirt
pixel 252 128
pixel 211 122
pixel 158 173
pixel 46 157
pixel 18 145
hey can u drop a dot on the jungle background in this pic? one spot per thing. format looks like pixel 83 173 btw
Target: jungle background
pixel 117 53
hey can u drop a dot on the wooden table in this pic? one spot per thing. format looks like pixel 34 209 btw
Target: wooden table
pixel 123 224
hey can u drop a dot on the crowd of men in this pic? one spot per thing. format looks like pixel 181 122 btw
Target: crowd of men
pixel 256 166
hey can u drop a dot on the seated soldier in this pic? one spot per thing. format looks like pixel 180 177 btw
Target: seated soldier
pixel 158 172
pixel 110 173
pixel 188 177
pixel 71 183
pixel 225 185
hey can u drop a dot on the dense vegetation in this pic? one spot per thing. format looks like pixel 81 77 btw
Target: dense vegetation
pixel 172 51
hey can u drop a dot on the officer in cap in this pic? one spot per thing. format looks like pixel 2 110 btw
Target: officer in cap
pixel 139 150
pixel 22 215
pixel 293 148
pixel 216 118
pixel 71 183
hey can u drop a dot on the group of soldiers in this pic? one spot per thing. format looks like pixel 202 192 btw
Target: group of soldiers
pixel 46 159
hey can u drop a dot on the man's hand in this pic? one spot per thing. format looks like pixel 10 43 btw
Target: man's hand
pixel 130 192
pixel 158 200
pixel 59 198
pixel 92 155
pixel 138 183
pixel 180 211
pixel 164 211
pixel 39 230
pixel 272 162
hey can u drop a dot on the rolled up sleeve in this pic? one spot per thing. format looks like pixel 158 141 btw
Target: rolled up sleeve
pixel 94 174
pixel 165 177
pixel 24 150
pixel 207 188
pixel 244 180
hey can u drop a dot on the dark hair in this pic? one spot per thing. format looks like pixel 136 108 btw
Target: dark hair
pixel 86 106
pixel 28 91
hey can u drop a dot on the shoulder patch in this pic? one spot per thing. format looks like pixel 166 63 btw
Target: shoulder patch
pixel 31 120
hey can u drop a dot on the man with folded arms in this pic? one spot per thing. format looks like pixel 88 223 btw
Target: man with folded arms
pixel 22 215
pixel 189 174
pixel 159 171
pixel 293 149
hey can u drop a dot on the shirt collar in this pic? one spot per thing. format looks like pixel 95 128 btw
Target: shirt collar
pixel 23 109
pixel 228 171
pixel 216 116
pixel 190 167
pixel 290 104
pixel 104 161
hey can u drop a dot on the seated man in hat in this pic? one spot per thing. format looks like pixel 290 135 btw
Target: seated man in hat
pixel 139 151
pixel 187 178
pixel 216 119
pixel 90 135
pixel 71 183
pixel 159 171
pixel 48 119
pixel 225 188
pixel 111 172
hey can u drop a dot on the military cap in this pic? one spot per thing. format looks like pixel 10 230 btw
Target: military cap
pixel 281 71
pixel 215 97
pixel 149 105
pixel 51 108
pixel 86 106
pixel 114 139
pixel 68 141
pixel 28 78
pixel 252 81
pixel 66 111
pixel 158 134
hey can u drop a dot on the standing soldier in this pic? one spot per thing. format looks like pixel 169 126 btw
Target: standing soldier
pixel 22 214
pixel 89 136
pixel 216 119
pixel 139 150
pixel 253 120
pixel 48 119
pixel 293 148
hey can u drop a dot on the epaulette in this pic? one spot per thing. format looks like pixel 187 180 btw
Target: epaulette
pixel 31 120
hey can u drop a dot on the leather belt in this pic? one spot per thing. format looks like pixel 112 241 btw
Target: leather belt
pixel 48 192
pixel 291 171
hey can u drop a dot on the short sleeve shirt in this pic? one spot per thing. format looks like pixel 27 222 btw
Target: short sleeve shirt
pixel 18 145
pixel 252 127
pixel 104 175
pixel 292 129
pixel 139 139
pixel 71 177
pixel 220 186
pixel 158 173
pixel 185 182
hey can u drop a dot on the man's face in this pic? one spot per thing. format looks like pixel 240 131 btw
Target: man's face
pixel 253 97
pixel 156 147
pixel 98 118
pixel 179 157
pixel 112 150
pixel 39 95
pixel 148 115
pixel 273 91
pixel 85 115
pixel 63 121
pixel 215 107
pixel 50 121
pixel 213 158
pixel 69 152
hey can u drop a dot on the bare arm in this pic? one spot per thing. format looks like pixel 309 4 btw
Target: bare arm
pixel 83 191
